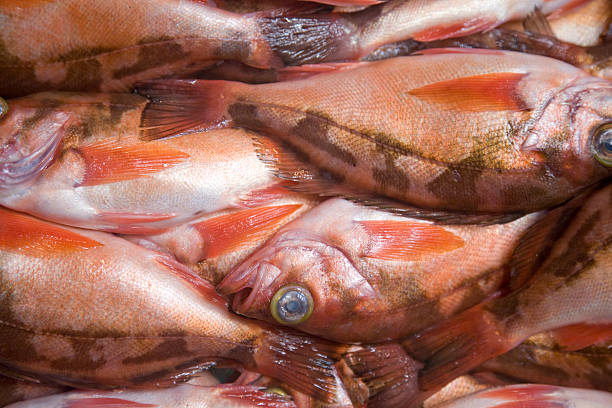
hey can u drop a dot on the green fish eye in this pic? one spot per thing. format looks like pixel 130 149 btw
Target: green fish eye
pixel 291 304
pixel 3 108
pixel 602 144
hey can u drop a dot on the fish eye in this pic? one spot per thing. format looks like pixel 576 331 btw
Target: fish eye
pixel 602 144
pixel 291 304
pixel 3 108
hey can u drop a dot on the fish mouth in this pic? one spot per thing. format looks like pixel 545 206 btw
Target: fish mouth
pixel 250 285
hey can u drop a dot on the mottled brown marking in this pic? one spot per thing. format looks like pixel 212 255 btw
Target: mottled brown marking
pixel 46 107
pixel 233 47
pixel 524 195
pixel 505 307
pixel 314 129
pixel 245 115
pixel 19 77
pixel 81 360
pixel 122 103
pixel 167 349
pixel 152 53
pixel 150 377
pixel 391 176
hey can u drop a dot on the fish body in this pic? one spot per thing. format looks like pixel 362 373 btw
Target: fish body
pixel 358 263
pixel 142 318
pixel 100 175
pixel 340 37
pixel 12 390
pixel 107 46
pixel 461 130
pixel 214 244
pixel 185 395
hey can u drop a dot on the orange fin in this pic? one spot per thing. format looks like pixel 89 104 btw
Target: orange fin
pixel 461 29
pixel 182 271
pixel 389 373
pixel 30 236
pixel 308 70
pixel 129 223
pixel 407 241
pixel 105 402
pixel 179 106
pixel 255 396
pixel 265 195
pixel 479 93
pixel 109 162
pixel 579 336
pixel 229 232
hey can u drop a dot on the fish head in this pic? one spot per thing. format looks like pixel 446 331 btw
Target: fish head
pixel 31 132
pixel 299 280
pixel 573 132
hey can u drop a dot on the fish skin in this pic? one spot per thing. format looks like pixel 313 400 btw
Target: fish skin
pixel 330 252
pixel 107 46
pixel 340 37
pixel 12 390
pixel 227 396
pixel 399 144
pixel 175 187
pixel 571 287
pixel 459 387
pixel 143 318
pixel 540 360
pixel 190 247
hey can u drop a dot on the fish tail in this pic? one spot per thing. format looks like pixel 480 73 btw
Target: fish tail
pixel 17 168
pixel 305 363
pixel 389 373
pixel 309 39
pixel 456 346
pixel 180 106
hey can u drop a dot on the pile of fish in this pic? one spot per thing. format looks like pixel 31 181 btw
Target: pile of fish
pixel 368 203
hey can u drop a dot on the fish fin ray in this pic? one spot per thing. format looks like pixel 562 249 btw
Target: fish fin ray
pixel 536 22
pixel 461 29
pixel 105 402
pixel 582 335
pixel 405 240
pixel 479 93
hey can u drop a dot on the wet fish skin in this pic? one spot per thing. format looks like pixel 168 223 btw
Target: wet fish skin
pixel 107 46
pixel 12 390
pixel 230 396
pixel 404 128
pixel 143 318
pixel 358 263
pixel 102 176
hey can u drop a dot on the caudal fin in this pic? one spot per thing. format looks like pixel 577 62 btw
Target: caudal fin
pixel 179 106
pixel 455 347
pixel 390 375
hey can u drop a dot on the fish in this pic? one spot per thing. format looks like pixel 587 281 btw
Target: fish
pixel 459 387
pixel 309 39
pixel 143 319
pixel 227 396
pixel 215 243
pixel 571 286
pixel 345 264
pixel 458 131
pixel 13 390
pixel 107 46
pixel 543 359
pixel 77 159
pixel 533 395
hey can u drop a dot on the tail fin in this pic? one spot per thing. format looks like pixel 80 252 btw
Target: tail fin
pixel 389 373
pixel 178 106
pixel 456 346
pixel 302 40
pixel 19 169
pixel 303 362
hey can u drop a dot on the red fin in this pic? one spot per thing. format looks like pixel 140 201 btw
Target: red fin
pixel 229 232
pixel 456 346
pixel 389 373
pixel 178 106
pixel 579 336
pixel 30 236
pixel 266 195
pixel 109 162
pixel 255 396
pixel 308 70
pixel 479 93
pixel 303 362
pixel 105 402
pixel 456 30
pixel 182 271
pixel 479 51
pixel 404 240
